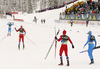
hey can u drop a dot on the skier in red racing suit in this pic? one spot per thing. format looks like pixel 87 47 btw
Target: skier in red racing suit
pixel 64 39
pixel 22 33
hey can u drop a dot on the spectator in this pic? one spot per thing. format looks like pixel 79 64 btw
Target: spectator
pixel 87 21
pixel 93 5
pixel 99 5
pixel 90 6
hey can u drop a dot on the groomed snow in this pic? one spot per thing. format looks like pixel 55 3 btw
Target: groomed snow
pixel 33 57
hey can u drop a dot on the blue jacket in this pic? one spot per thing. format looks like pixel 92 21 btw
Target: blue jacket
pixel 90 40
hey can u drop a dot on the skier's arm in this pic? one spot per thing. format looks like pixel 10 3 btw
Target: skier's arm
pixel 87 40
pixel 24 31
pixel 71 42
pixel 60 38
pixel 16 29
pixel 95 42
pixel 12 23
pixel 7 23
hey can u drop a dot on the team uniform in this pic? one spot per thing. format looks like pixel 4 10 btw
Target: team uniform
pixel 91 46
pixel 64 39
pixel 9 27
pixel 71 23
pixel 22 33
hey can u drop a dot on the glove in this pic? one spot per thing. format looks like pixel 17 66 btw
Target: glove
pixel 72 46
pixel 15 28
pixel 25 34
pixel 56 38
pixel 94 47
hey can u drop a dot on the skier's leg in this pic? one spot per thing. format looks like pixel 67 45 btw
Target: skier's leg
pixel 19 42
pixel 91 46
pixel 9 31
pixel 23 41
pixel 66 53
pixel 61 51
pixel 61 60
pixel 67 60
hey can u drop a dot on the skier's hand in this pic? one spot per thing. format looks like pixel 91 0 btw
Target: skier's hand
pixel 94 47
pixel 83 46
pixel 72 46
pixel 24 33
pixel 15 28
pixel 56 38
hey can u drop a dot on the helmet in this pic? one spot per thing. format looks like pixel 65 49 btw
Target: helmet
pixel 64 32
pixel 21 26
pixel 90 32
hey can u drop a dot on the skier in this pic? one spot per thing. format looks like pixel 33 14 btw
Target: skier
pixel 87 21
pixel 71 22
pixel 35 19
pixel 22 33
pixel 64 39
pixel 90 43
pixel 44 20
pixel 9 28
pixel 41 20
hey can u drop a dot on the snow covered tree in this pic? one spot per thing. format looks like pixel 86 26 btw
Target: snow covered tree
pixel 29 7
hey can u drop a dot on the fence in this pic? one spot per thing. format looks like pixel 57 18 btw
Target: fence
pixel 91 17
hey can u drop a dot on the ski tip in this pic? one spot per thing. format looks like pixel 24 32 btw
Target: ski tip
pixel 45 58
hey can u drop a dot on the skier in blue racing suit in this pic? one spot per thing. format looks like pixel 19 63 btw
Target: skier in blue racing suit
pixel 90 43
pixel 9 27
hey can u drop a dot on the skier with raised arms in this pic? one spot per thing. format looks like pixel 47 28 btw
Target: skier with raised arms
pixel 9 28
pixel 22 33
pixel 91 46
pixel 64 39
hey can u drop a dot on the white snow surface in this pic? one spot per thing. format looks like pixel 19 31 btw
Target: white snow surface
pixel 33 57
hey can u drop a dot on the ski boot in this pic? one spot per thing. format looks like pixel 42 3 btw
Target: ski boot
pixel 67 62
pixel 23 46
pixel 60 64
pixel 18 46
pixel 92 62
pixel 8 34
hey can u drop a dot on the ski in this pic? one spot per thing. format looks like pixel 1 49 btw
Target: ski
pixel 93 49
pixel 51 45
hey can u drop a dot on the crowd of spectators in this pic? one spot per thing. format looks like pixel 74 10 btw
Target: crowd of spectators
pixel 55 7
pixel 76 8
pixel 83 8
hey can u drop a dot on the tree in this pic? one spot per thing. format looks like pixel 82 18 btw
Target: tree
pixel 29 7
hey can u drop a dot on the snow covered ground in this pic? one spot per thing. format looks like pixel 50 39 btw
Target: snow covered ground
pixel 33 57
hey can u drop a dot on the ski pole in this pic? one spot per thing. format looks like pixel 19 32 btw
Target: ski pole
pixel 3 38
pixel 51 45
pixel 49 48
pixel 55 42
pixel 93 49
pixel 31 40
